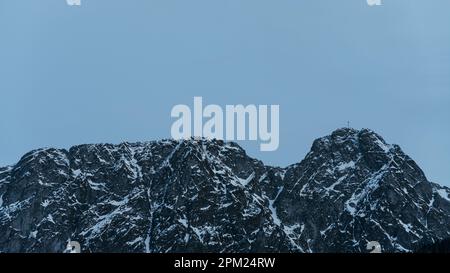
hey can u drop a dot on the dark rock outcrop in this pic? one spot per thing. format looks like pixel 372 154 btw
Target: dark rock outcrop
pixel 208 196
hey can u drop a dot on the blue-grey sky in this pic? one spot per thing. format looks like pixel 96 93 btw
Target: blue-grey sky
pixel 111 70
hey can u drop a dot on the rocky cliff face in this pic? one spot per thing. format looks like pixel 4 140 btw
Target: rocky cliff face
pixel 209 196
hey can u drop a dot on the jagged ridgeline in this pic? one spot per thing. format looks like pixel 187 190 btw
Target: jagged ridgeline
pixel 209 196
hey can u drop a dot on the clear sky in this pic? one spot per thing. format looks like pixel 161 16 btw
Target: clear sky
pixel 111 70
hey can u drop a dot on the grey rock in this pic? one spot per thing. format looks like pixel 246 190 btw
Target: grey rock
pixel 203 195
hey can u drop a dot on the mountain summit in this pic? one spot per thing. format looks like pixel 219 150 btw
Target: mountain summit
pixel 203 195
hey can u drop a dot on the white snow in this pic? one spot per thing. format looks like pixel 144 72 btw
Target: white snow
pixel 350 208
pixel 408 228
pixel 40 182
pixel 61 172
pixel 45 203
pixel 292 235
pixel 323 232
pixel 226 205
pixel 199 232
pixel 8 168
pixel 332 186
pixel 384 147
pixel 96 186
pixel 346 165
pixel 135 168
pixel 104 221
pixel 166 162
pixel 33 234
pixel 124 201
pixel 183 222
pixel 135 241
pixel 443 193
pixel 50 218
pixel 147 244
pixel 264 176
pixel 244 182
pixel 281 174
pixel 371 185
pixel 76 173
pixel 251 211
pixel 11 208
pixel 273 210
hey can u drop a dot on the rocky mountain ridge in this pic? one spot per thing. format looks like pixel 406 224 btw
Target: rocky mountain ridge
pixel 201 195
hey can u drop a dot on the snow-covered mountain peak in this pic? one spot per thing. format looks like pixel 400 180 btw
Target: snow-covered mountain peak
pixel 208 196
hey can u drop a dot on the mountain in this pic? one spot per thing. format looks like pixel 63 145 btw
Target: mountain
pixel 201 195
